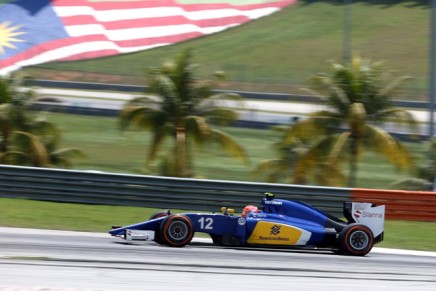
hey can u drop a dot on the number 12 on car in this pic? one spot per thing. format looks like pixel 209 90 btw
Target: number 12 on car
pixel 206 222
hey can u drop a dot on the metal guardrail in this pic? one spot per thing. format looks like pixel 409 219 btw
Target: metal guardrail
pixel 245 94
pixel 401 205
pixel 91 187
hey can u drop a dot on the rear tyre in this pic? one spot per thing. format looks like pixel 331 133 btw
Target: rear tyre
pixel 176 230
pixel 356 240
pixel 160 213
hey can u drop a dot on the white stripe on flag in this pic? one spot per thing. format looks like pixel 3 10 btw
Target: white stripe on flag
pixel 144 13
pixel 139 32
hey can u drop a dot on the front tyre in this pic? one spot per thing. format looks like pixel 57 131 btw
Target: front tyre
pixel 158 214
pixel 356 240
pixel 176 230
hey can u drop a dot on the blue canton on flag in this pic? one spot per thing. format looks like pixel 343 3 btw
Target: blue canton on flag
pixel 25 25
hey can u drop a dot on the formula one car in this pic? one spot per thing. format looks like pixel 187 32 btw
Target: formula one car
pixel 279 223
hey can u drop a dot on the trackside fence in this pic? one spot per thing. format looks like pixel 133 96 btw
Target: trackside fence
pixel 401 205
pixel 91 187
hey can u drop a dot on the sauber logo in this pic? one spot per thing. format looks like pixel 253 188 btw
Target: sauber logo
pixel 275 230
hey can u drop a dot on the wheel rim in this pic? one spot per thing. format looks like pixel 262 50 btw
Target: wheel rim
pixel 178 230
pixel 359 240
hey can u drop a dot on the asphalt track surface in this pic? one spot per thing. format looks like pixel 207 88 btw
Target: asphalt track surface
pixel 46 260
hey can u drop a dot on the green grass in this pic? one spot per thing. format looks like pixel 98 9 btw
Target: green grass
pixel 66 216
pixel 100 218
pixel 279 53
pixel 410 235
pixel 108 149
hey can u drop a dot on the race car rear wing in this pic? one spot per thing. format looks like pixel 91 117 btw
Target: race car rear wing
pixel 368 214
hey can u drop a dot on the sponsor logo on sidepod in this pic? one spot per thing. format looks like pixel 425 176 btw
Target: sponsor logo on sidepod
pixel 275 230
pixel 357 213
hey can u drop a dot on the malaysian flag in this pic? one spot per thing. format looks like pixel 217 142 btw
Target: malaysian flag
pixel 39 31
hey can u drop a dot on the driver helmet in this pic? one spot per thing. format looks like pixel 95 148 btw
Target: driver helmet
pixel 249 208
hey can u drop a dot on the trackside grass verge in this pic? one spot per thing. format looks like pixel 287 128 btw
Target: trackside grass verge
pixel 99 218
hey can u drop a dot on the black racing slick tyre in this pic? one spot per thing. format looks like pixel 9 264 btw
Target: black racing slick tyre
pixel 160 213
pixel 176 230
pixel 356 240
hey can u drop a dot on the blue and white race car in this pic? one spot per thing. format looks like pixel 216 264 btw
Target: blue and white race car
pixel 279 223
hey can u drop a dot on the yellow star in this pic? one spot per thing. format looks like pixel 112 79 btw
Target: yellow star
pixel 8 34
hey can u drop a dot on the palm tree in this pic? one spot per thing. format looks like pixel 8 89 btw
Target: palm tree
pixel 181 106
pixel 26 140
pixel 14 102
pixel 425 176
pixel 29 150
pixel 357 98
pixel 299 150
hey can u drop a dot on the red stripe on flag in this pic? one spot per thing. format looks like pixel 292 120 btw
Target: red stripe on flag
pixel 69 42
pixel 151 41
pixel 151 22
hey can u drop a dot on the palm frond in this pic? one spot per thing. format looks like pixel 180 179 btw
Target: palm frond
pixel 317 124
pixel 273 170
pixel 330 174
pixel 140 117
pixel 229 144
pixel 221 116
pixel 32 145
pixel 321 159
pixel 158 138
pixel 14 158
pixel 338 150
pixel 398 115
pixel 62 157
pixel 197 129
pixel 384 143
pixel 306 163
pixel 147 100
pixel 393 85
